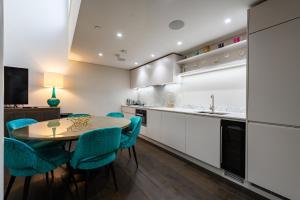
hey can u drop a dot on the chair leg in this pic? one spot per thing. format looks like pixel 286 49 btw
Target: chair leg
pixel 114 176
pixel 129 152
pixel 70 145
pixel 10 184
pixel 73 178
pixel 26 187
pixel 47 178
pixel 134 153
pixel 52 175
pixel 87 175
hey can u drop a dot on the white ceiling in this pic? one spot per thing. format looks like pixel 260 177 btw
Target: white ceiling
pixel 144 24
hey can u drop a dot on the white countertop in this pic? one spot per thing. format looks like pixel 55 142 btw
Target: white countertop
pixel 234 116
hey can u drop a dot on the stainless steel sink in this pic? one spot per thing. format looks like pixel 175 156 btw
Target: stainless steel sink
pixel 212 113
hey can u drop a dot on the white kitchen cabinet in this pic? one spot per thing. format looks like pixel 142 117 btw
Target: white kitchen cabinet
pixel 165 70
pixel 203 139
pixel 128 111
pixel 154 124
pixel 140 77
pixel 273 158
pixel 271 13
pixel 274 69
pixel 173 130
pixel 159 72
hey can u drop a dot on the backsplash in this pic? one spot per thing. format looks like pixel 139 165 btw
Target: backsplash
pixel 228 86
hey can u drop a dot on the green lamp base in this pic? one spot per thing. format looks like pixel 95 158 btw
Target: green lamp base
pixel 53 101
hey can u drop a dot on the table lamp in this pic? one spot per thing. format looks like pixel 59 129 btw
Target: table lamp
pixel 53 80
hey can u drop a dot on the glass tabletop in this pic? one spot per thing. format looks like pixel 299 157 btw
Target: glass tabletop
pixel 67 128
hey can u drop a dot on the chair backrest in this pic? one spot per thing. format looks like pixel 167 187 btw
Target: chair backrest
pixel 135 126
pixel 135 129
pixel 19 123
pixel 95 144
pixel 115 114
pixel 79 115
pixel 21 158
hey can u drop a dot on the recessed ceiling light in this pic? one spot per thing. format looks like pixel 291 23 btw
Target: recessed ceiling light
pixel 179 43
pixel 136 63
pixel 119 35
pixel 100 54
pixel 152 55
pixel 227 21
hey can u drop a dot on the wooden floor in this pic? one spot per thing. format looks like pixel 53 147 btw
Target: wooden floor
pixel 159 176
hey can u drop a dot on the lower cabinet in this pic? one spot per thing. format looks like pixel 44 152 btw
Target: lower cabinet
pixel 197 136
pixel 203 139
pixel 154 124
pixel 273 158
pixel 173 130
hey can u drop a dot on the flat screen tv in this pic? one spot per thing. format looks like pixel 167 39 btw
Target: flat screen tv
pixel 15 86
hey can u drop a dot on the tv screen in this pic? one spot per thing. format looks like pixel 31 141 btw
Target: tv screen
pixel 15 85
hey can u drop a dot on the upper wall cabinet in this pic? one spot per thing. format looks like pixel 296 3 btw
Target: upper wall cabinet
pixel 274 69
pixel 159 72
pixel 271 13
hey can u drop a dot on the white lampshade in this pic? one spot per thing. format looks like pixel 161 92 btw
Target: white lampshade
pixel 52 79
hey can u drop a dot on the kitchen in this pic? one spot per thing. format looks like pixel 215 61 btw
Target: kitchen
pixel 197 99
pixel 197 109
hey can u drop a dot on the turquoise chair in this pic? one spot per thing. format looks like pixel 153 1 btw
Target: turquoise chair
pixel 128 139
pixel 20 123
pixel 96 149
pixel 79 115
pixel 23 160
pixel 115 114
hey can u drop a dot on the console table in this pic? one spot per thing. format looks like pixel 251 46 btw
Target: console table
pixel 37 113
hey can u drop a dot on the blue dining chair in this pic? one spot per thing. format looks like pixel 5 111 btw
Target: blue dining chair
pixel 115 114
pixel 23 160
pixel 128 139
pixel 21 123
pixel 79 115
pixel 95 149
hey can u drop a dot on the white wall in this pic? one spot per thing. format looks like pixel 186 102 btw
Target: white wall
pixel 95 89
pixel 73 15
pixel 228 86
pixel 36 37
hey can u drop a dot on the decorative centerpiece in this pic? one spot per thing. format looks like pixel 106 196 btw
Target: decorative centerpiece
pixel 53 80
pixel 79 123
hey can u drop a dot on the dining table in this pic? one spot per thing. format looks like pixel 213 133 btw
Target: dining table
pixel 67 129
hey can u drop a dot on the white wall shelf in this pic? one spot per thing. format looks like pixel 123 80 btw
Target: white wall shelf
pixel 211 68
pixel 238 45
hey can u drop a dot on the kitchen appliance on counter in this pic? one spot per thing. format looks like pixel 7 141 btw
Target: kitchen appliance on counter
pixel 130 102
pixel 143 114
pixel 233 140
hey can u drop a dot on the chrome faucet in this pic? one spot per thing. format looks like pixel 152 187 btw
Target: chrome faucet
pixel 212 105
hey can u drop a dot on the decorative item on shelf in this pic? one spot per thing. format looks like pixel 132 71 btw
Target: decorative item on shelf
pixel 236 39
pixel 221 45
pixel 53 80
pixel 205 49
pixel 195 53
